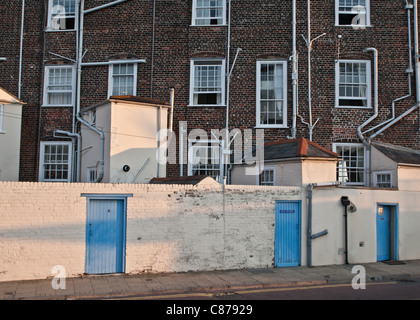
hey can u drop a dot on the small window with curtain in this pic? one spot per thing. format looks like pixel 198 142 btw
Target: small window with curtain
pixel 59 86
pixel 383 179
pixel 271 93
pixel 55 161
pixel 351 163
pixel 122 79
pixel 267 177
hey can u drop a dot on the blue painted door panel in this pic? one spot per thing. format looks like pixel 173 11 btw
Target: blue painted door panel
pixel 383 233
pixel 105 237
pixel 287 234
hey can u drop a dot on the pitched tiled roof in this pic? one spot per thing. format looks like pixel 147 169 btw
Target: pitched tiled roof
pixel 179 180
pixel 398 154
pixel 295 148
pixel 139 99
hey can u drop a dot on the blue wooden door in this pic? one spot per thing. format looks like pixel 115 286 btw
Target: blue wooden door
pixel 287 234
pixel 105 236
pixel 383 233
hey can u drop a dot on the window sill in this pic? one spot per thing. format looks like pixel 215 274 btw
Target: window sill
pixel 344 107
pixel 206 105
pixel 64 30
pixel 208 25
pixel 271 127
pixel 353 26
pixel 56 106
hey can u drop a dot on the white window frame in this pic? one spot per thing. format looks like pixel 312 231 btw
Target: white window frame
pixel 46 84
pixel 194 16
pixel 214 143
pixel 41 161
pixel 1 118
pixel 211 62
pixel 92 174
pixel 258 122
pixel 111 75
pixel 368 83
pixel 335 145
pixel 377 173
pixel 50 24
pixel 269 183
pixel 354 26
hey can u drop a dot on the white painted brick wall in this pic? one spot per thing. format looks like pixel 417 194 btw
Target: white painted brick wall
pixel 169 227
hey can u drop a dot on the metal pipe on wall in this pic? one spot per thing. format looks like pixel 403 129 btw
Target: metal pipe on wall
pixel 73 136
pixel 79 56
pixel 21 49
pixel 102 147
pixel 294 73
pixel 373 117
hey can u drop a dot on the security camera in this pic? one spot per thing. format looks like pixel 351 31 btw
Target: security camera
pixel 126 168
pixel 352 207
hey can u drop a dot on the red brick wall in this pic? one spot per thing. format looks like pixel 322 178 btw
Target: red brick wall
pixel 260 28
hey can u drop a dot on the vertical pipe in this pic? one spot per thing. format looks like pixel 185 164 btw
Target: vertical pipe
pixel 153 49
pixel 158 123
pixel 309 70
pixel 346 234
pixel 80 53
pixel 225 157
pixel 171 118
pixel 181 148
pixel 309 233
pixel 416 49
pixel 21 49
pixel 294 74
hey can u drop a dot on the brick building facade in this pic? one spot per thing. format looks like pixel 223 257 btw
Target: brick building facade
pixel 184 45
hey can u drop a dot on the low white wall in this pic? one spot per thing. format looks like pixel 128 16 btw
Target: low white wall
pixel 172 228
pixel 328 213
pixel 169 227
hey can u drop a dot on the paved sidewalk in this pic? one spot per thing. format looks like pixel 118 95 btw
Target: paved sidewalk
pixel 125 285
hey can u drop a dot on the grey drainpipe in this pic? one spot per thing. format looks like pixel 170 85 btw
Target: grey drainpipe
pixel 373 117
pixel 102 153
pixel 311 236
pixel 73 136
pixel 346 202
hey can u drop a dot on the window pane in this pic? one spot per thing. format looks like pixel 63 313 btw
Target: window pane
pixel 207 87
pixel 271 93
pixel 353 84
pixel 350 168
pixel 60 86
pixel 56 162
pixel 123 79
pixel 205 159
pixel 209 12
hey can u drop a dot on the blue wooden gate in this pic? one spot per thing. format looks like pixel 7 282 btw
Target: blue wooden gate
pixel 105 236
pixel 287 234
pixel 383 240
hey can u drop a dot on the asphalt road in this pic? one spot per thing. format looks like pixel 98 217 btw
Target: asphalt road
pixel 396 290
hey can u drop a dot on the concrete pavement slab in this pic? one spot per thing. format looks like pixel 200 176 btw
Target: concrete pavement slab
pixel 125 285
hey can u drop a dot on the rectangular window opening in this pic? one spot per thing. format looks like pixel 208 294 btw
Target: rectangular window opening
pixel 271 93
pixel 207 85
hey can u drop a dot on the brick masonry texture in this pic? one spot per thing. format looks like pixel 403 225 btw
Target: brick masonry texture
pixel 263 29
